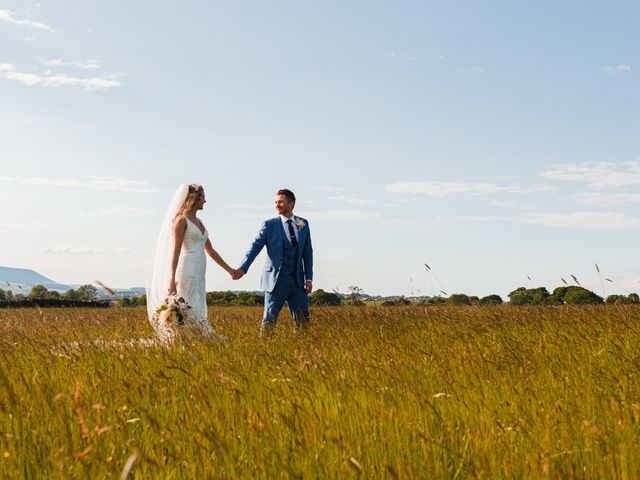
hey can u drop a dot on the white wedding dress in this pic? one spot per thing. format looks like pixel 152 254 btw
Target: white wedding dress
pixel 190 276
pixel 190 273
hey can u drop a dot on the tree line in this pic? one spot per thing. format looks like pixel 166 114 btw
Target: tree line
pixel 84 293
pixel 569 295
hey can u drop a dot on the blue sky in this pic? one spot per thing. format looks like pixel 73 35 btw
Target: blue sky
pixel 494 141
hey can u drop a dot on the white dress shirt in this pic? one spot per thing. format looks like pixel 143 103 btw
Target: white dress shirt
pixel 285 225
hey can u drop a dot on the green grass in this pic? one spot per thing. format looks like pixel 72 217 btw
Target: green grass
pixel 400 392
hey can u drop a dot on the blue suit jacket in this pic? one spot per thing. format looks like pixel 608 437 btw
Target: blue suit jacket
pixel 272 235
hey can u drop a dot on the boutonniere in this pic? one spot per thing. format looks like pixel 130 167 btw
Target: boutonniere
pixel 300 224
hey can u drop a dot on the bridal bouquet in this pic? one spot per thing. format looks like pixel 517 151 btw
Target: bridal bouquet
pixel 171 311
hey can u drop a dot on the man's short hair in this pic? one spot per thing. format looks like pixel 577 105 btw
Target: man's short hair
pixel 287 193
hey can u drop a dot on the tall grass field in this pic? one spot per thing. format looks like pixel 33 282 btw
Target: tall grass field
pixel 371 392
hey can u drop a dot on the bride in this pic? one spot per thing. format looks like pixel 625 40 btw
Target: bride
pixel 180 262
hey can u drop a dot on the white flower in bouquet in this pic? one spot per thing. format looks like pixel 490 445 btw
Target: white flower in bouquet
pixel 171 312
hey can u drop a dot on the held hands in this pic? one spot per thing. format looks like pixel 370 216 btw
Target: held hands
pixel 172 287
pixel 237 273
pixel 308 286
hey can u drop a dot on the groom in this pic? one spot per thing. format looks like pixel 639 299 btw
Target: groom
pixel 287 273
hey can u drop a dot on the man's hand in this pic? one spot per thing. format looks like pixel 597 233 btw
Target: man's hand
pixel 237 274
pixel 308 286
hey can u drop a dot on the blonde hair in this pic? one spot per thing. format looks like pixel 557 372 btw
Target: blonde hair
pixel 195 192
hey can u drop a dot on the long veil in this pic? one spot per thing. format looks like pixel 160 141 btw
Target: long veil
pixel 161 272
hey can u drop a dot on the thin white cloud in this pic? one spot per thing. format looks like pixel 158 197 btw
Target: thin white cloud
pixel 584 220
pixel 345 215
pixel 117 184
pixel 127 212
pixel 349 200
pixel 84 250
pixel 9 16
pixel 83 65
pixel 9 72
pixel 597 174
pixel 329 188
pixel 614 70
pixel 472 218
pixel 497 203
pixel 445 189
pixel 401 56
pixel 537 188
pixel 113 184
pixel 607 198
pixel 309 203
pixel 441 189
pixel 25 119
pixel 20 228
pixel 241 206
pixel 253 216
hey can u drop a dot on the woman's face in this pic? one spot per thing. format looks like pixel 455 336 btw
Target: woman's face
pixel 201 201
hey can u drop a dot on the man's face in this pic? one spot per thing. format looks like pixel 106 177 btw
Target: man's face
pixel 283 205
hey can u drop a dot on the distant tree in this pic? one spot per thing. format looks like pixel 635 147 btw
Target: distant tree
pixel 87 293
pixel 3 295
pixel 123 302
pixel 540 296
pixel 616 299
pixel 581 296
pixel 474 300
pixel 491 300
pixel 220 298
pixel 561 291
pixel 520 296
pixel 38 291
pixel 19 297
pixel 52 294
pixel 435 301
pixel 529 296
pixel 9 295
pixel 559 294
pixel 142 300
pixel 71 294
pixel 398 302
pixel 553 300
pixel 355 295
pixel 320 297
pixel 459 299
pixel 623 300
pixel 248 299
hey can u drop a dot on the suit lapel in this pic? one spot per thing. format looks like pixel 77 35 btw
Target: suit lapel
pixel 302 236
pixel 282 236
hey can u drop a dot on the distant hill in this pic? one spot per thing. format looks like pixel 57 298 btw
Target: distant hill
pixel 20 280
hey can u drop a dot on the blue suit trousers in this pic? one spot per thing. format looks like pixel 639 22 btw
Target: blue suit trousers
pixel 286 291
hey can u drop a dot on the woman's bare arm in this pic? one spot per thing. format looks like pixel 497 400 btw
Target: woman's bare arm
pixel 215 256
pixel 179 227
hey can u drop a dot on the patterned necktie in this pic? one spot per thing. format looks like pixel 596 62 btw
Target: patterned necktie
pixel 292 234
